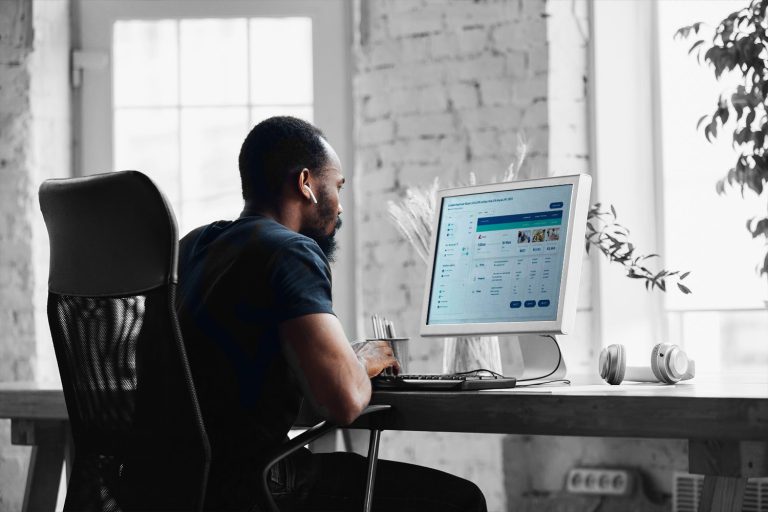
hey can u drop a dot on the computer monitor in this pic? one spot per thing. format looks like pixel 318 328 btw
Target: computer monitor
pixel 506 258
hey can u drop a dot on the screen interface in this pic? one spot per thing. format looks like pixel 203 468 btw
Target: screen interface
pixel 499 256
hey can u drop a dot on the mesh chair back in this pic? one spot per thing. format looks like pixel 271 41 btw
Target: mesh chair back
pixel 139 438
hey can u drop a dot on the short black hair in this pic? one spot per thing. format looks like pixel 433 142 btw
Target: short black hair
pixel 275 150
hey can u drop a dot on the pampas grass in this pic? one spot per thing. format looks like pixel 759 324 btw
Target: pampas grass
pixel 413 215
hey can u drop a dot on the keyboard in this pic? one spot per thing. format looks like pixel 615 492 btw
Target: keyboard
pixel 454 382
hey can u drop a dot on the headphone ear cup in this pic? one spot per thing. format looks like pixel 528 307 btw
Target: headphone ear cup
pixel 613 364
pixel 668 363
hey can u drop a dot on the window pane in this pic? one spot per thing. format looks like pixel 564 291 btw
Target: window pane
pixel 210 143
pixel 724 341
pixel 281 61
pixel 704 232
pixel 145 56
pixel 146 140
pixel 259 114
pixel 214 62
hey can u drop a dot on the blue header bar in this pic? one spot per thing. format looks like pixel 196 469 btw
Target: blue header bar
pixel 523 217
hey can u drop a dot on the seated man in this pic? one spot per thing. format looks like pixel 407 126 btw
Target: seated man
pixel 256 313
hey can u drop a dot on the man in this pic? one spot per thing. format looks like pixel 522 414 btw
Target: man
pixel 256 313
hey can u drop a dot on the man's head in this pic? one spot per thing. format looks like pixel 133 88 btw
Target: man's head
pixel 287 167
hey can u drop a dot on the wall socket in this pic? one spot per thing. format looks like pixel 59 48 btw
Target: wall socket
pixel 613 482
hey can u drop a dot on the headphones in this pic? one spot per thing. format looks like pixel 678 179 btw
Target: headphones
pixel 669 365
pixel 314 199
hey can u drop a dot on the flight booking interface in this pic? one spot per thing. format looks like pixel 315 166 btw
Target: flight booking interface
pixel 499 256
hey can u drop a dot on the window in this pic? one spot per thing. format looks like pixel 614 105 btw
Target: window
pixel 181 110
pixel 723 323
pixel 660 172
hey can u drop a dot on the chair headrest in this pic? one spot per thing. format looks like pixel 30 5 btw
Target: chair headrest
pixel 110 234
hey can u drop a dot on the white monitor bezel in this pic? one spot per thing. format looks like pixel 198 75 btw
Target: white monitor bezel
pixel 571 275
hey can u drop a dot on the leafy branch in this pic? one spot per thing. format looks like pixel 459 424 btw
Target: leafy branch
pixel 739 45
pixel 412 215
pixel 612 239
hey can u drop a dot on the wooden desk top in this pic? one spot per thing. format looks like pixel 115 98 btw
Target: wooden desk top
pixel 723 406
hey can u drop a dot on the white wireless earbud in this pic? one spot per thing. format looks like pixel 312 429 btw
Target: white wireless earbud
pixel 669 365
pixel 314 199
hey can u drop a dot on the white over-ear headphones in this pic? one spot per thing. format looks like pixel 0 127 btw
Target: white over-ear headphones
pixel 669 365
pixel 314 199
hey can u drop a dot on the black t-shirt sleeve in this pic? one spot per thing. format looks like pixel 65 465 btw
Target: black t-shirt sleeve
pixel 300 278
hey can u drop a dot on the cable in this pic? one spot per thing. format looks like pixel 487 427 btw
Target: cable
pixel 564 381
pixel 500 376
pixel 557 365
pixel 493 373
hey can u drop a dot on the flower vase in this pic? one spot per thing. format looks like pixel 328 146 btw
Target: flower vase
pixel 467 353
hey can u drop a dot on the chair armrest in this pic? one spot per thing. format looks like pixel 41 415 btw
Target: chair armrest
pixel 303 439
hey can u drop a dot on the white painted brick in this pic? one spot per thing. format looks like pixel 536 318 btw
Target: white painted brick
pixel 409 75
pixel 517 64
pixel 497 92
pixel 414 151
pixel 376 106
pixel 432 99
pixel 368 159
pixel 489 117
pixel 383 53
pixel 531 90
pixel 404 101
pixel 424 100
pixel 464 94
pixel 506 37
pixel 444 45
pixel 484 143
pixel 535 9
pixel 430 124
pixel 418 22
pixel 485 66
pixel 465 13
pixel 473 41
pixel 397 7
pixel 377 132
pixel 413 49
pixel 539 59
pixel 378 28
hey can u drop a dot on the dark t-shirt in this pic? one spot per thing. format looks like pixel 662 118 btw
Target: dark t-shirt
pixel 237 281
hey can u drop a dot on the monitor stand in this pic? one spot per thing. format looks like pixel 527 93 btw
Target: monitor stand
pixel 539 358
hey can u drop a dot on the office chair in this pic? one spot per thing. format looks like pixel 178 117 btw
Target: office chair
pixel 138 432
pixel 370 415
pixel 139 438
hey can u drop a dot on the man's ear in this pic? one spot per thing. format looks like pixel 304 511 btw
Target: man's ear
pixel 304 185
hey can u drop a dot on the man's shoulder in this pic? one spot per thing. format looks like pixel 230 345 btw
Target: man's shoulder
pixel 246 235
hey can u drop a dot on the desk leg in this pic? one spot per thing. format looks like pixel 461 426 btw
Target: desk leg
pixel 726 466
pixel 47 439
pixel 722 494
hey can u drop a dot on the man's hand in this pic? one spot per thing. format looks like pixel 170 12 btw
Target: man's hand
pixel 375 356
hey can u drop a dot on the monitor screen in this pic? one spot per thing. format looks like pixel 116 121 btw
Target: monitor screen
pixel 500 257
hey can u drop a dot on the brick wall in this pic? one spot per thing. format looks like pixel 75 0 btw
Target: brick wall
pixel 34 145
pixel 440 89
pixel 17 326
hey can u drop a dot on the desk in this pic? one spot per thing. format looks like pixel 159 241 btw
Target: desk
pixel 723 417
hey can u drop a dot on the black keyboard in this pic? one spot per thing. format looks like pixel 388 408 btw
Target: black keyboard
pixel 466 382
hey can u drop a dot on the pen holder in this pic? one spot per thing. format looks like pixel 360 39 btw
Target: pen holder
pixel 400 348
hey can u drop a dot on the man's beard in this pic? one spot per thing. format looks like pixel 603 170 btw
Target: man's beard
pixel 327 243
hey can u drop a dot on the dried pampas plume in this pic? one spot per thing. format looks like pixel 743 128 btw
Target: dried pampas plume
pixel 413 215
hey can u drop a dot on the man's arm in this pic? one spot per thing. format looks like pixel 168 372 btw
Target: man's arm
pixel 334 378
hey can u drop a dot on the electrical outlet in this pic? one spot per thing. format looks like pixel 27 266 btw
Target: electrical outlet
pixel 614 482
